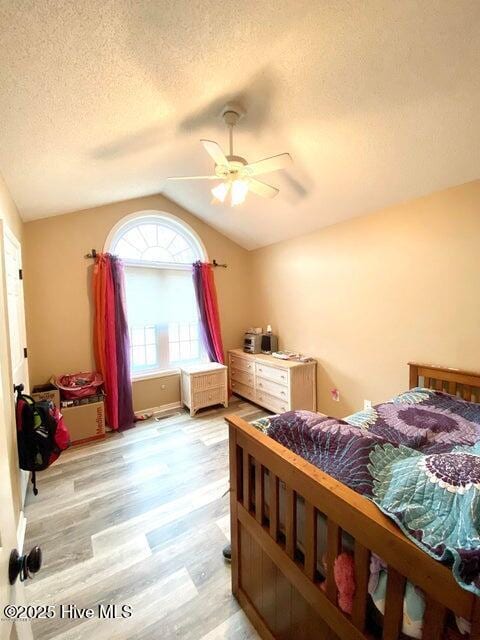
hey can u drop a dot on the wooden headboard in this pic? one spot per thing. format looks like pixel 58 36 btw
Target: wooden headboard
pixel 465 384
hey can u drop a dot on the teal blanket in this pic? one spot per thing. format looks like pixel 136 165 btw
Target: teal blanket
pixel 416 457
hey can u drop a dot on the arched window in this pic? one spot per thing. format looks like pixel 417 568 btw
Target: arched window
pixel 158 251
pixel 156 239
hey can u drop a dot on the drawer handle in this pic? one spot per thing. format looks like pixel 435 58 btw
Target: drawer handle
pixel 284 409
pixel 282 377
pixel 282 393
pixel 233 384
pixel 209 397
pixel 261 370
pixel 260 384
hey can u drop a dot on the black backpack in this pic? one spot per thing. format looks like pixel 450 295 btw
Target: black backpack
pixel 41 434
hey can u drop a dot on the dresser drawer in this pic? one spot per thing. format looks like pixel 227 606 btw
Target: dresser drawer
pixel 206 381
pixel 271 373
pixel 243 390
pixel 207 398
pixel 244 364
pixel 242 376
pixel 273 388
pixel 270 402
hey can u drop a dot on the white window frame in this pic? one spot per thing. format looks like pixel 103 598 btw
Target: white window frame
pixel 179 226
pixel 168 220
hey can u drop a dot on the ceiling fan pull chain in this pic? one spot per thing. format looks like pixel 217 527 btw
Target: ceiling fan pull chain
pixel 230 138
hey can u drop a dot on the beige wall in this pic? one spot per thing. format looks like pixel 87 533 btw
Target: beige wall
pixel 8 211
pixel 57 289
pixel 363 297
pixel 366 296
pixel 9 215
pixel 146 392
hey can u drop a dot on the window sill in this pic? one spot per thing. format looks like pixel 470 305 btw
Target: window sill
pixel 165 373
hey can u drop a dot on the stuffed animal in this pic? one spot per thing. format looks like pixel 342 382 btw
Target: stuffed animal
pixel 344 572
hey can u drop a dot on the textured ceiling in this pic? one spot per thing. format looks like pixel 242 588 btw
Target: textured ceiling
pixel 377 101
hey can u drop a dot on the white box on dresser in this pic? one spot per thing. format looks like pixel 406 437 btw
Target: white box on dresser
pixel 277 385
pixel 204 385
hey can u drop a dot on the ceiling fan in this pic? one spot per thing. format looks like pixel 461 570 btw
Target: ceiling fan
pixel 238 177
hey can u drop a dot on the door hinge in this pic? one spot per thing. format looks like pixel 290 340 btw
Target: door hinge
pixel 25 352
pixel 20 274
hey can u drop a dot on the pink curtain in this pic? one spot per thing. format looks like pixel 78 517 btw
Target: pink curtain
pixel 111 340
pixel 206 295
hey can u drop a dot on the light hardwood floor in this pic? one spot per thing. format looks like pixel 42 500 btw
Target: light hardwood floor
pixel 141 519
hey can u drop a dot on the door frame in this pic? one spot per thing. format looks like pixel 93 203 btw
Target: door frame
pixel 10 527
pixel 24 476
pixel 8 233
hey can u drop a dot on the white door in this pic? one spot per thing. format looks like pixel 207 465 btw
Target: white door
pixel 16 308
pixel 10 596
pixel 16 324
pixel 9 499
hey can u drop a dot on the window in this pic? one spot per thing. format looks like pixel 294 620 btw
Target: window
pixel 183 341
pixel 158 252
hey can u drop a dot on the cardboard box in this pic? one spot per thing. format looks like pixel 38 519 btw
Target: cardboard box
pixel 46 392
pixel 85 422
pixel 87 400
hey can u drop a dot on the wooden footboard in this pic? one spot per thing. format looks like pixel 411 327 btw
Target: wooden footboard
pixel 278 583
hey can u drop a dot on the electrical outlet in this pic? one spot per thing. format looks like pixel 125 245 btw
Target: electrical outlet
pixel 163 387
pixel 335 395
pixel 367 404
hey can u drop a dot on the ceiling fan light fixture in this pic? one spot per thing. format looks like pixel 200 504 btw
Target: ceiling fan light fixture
pixel 237 176
pixel 239 192
pixel 220 191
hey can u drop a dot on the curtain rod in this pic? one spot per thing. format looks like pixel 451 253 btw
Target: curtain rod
pixel 93 254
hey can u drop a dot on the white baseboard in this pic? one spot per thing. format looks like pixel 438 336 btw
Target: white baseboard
pixel 21 527
pixel 161 409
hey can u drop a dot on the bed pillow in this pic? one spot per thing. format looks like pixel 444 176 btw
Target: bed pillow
pixel 332 445
pixel 423 419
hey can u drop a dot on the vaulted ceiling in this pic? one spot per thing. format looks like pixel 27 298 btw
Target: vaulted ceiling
pixel 378 101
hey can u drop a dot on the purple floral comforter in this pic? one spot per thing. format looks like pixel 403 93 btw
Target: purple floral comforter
pixel 417 457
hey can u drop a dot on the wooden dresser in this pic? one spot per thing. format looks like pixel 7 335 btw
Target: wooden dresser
pixel 277 385
pixel 204 385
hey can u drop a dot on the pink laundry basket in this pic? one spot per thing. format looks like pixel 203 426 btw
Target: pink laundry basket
pixel 78 385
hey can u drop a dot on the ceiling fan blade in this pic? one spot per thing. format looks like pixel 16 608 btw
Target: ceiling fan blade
pixel 262 189
pixel 267 165
pixel 215 151
pixel 194 178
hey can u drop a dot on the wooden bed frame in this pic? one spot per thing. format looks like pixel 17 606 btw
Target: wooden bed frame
pixel 279 587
